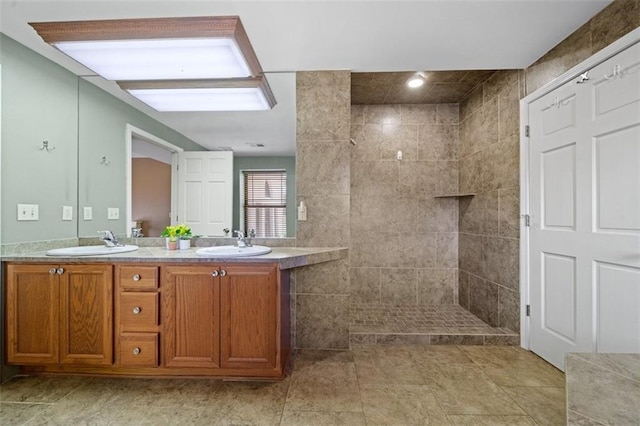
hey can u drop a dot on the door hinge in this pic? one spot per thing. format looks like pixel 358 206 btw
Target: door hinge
pixel 526 130
pixel 528 310
pixel 527 220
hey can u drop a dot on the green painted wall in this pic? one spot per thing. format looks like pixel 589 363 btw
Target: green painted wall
pixel 43 101
pixel 39 102
pixel 266 163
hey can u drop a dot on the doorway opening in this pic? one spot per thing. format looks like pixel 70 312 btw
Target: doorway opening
pixel 151 182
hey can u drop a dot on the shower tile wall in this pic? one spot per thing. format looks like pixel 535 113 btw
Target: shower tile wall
pixel 489 222
pixel 323 102
pixel 403 240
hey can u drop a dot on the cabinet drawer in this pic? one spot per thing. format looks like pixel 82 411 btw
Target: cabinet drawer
pixel 139 349
pixel 139 277
pixel 138 310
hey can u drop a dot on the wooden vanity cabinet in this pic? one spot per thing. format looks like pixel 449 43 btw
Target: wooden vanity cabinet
pixel 137 316
pixel 162 319
pixel 225 317
pixel 249 317
pixel 59 314
pixel 191 316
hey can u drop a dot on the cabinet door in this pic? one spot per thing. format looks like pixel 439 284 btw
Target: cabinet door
pixel 86 306
pixel 191 316
pixel 32 314
pixel 249 308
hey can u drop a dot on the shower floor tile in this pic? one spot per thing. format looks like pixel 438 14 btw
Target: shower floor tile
pixel 445 324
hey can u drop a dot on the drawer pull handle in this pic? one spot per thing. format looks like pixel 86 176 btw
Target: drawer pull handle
pixel 52 271
pixel 214 274
pixel 223 273
pixel 136 351
pixel 60 271
pixel 136 277
pixel 137 310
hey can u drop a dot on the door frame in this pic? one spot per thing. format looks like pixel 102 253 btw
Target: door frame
pixel 613 49
pixel 130 132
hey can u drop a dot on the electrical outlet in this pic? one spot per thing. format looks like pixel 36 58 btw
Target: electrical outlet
pixel 113 213
pixel 87 213
pixel 67 212
pixel 28 212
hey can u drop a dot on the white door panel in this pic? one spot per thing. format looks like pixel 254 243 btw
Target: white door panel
pixel 558 196
pixel 584 197
pixel 205 195
pixel 616 90
pixel 618 308
pixel 559 295
pixel 617 181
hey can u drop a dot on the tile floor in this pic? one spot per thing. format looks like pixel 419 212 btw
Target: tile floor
pixel 440 324
pixel 392 385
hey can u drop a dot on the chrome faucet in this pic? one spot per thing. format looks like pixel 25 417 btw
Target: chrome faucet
pixel 109 239
pixel 242 240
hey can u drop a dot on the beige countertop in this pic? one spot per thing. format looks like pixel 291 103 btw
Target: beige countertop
pixel 286 257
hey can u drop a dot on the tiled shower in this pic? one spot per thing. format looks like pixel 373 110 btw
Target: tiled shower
pixel 405 226
pixel 401 283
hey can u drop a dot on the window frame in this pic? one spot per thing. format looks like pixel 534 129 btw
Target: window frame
pixel 241 198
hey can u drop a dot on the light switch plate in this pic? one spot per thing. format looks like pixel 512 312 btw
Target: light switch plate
pixel 27 212
pixel 113 213
pixel 67 212
pixel 87 213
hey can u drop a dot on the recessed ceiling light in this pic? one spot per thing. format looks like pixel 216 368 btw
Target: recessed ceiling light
pixel 417 80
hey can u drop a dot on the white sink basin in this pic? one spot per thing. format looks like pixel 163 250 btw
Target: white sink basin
pixel 233 251
pixel 90 250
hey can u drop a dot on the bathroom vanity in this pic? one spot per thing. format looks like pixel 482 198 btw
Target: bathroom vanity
pixel 153 313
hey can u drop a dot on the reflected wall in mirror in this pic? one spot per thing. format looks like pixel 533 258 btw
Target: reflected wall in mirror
pixel 151 187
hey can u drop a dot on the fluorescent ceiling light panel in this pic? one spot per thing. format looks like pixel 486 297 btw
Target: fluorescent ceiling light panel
pixel 250 94
pixel 250 99
pixel 160 59
pixel 157 48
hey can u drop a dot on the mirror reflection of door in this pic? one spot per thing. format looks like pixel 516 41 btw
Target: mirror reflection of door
pixel 150 187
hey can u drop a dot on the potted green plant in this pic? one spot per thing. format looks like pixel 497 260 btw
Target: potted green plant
pixel 171 235
pixel 184 236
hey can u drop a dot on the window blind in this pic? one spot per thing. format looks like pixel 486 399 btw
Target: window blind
pixel 265 203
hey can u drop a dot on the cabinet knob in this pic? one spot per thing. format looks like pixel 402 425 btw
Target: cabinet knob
pixel 214 274
pixel 137 310
pixel 60 271
pixel 136 351
pixel 52 271
pixel 223 273
pixel 136 277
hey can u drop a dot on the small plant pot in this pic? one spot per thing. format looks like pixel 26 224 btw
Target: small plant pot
pixel 184 244
pixel 171 245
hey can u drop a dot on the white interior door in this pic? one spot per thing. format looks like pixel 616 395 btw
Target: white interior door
pixel 205 191
pixel 559 298
pixel 585 213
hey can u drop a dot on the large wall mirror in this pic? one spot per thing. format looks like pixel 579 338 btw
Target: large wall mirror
pixel 84 121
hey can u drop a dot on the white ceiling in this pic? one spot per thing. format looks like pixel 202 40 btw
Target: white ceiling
pixel 289 36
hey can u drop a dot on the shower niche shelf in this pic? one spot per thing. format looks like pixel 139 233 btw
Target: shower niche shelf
pixel 465 194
